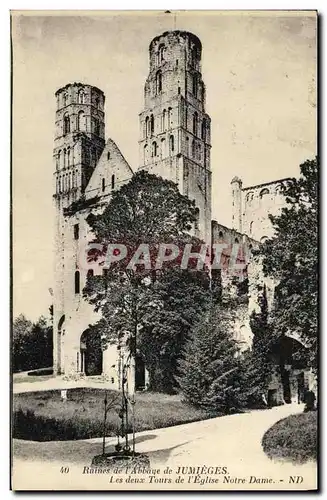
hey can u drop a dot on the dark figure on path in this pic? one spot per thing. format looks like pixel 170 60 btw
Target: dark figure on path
pixel 309 401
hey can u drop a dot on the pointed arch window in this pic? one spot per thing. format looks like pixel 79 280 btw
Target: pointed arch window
pixel 81 121
pixel 103 184
pixel 195 124
pixel 68 157
pixel 113 181
pixel 77 282
pixel 158 82
pixel 151 125
pixel 171 144
pixel 66 124
pixel 146 126
pixel 145 154
pixel 154 149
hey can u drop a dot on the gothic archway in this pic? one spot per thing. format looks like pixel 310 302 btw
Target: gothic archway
pixel 91 356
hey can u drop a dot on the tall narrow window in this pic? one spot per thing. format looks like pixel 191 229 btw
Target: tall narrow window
pixel 171 144
pixel 146 127
pixel 73 179
pixel 195 84
pixel 145 154
pixel 81 97
pixel 58 160
pixel 193 57
pixel 65 158
pixel 161 53
pixel 66 124
pixel 65 99
pixel 195 124
pixel 158 82
pixel 108 155
pixel 76 231
pixel 68 157
pixel 113 181
pixel 151 124
pixel 154 149
pixel 77 282
pixel 81 121
pixel 169 117
pixel 164 117
pixel 163 148
pixel 103 184
pixel 193 148
pixel 203 129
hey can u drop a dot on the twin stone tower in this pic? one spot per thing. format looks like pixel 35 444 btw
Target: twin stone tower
pixel 175 143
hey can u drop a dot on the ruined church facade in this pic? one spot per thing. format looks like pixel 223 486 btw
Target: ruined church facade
pixel 175 143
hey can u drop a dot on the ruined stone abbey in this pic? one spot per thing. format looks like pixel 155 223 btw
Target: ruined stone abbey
pixel 175 143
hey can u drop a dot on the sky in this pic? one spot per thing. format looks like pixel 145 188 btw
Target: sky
pixel 260 74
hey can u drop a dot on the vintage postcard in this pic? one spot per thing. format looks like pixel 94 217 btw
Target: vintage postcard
pixel 165 246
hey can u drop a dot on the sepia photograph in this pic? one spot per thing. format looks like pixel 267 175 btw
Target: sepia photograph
pixel 165 272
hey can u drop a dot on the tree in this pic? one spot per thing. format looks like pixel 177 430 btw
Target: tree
pixel 208 371
pixel 22 328
pixel 32 344
pixel 291 257
pixel 144 304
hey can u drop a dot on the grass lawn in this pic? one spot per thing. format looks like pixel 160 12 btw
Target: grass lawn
pixel 43 416
pixel 294 438
pixel 30 378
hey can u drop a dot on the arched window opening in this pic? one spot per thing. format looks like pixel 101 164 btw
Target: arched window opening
pixel 195 85
pixel 179 90
pixel 158 82
pixel 161 53
pixel 203 130
pixel 73 179
pixel 145 153
pixel 65 158
pixel 220 235
pixel 68 157
pixel 113 181
pixel 146 127
pixel 251 227
pixel 103 184
pixel 154 149
pixel 65 99
pixel 77 282
pixel 108 155
pixel 81 121
pixel 193 148
pixel 236 240
pixel 66 124
pixel 152 125
pixel 163 148
pixel 195 124
pixel 263 193
pixel 187 146
pixel 249 197
pixel 169 117
pixel 81 97
pixel 171 144
pixel 164 117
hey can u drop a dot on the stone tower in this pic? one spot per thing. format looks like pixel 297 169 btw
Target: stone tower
pixel 79 142
pixel 174 127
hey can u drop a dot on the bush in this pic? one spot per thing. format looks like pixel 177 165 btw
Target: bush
pixel 294 438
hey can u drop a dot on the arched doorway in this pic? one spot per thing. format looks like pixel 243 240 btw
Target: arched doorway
pixel 60 335
pixel 91 353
